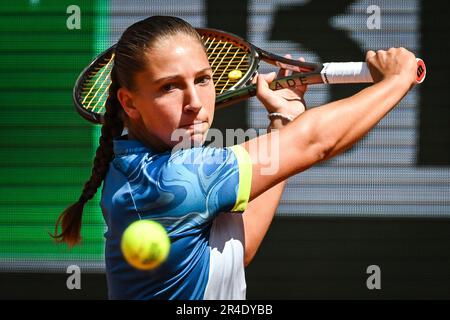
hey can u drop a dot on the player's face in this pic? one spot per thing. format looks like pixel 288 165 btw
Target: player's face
pixel 175 95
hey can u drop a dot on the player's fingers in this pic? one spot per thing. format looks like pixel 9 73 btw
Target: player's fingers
pixel 255 78
pixel 263 92
pixel 370 54
pixel 284 72
pixel 301 89
pixel 269 77
pixel 296 68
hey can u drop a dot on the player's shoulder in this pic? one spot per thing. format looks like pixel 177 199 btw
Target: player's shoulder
pixel 132 155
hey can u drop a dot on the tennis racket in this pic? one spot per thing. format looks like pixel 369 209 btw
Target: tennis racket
pixel 234 62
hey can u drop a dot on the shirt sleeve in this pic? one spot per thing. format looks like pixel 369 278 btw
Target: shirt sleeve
pixel 245 177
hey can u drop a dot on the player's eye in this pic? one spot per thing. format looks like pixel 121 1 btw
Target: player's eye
pixel 168 87
pixel 203 79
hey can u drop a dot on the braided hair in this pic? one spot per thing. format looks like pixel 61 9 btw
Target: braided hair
pixel 128 61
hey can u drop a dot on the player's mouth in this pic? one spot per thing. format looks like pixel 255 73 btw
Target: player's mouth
pixel 196 125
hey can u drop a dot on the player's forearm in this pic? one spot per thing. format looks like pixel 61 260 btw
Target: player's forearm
pixel 257 218
pixel 338 125
pixel 260 211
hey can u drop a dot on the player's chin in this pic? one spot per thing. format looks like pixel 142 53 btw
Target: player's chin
pixel 197 140
pixel 191 138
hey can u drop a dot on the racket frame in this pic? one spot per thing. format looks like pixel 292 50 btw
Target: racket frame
pixel 238 41
pixel 93 117
pixel 310 73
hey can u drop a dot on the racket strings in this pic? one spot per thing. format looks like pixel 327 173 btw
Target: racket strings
pixel 225 57
pixel 229 82
pixel 95 89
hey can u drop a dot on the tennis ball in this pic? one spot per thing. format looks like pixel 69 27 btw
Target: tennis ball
pixel 145 244
pixel 235 74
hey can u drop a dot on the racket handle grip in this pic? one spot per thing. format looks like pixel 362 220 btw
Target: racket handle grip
pixel 358 72
pixel 346 72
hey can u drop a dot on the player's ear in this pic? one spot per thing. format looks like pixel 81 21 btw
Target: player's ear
pixel 125 98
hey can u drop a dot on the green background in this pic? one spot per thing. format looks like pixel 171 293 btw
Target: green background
pixel 46 149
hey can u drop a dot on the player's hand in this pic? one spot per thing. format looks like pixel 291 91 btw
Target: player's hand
pixel 394 63
pixel 287 101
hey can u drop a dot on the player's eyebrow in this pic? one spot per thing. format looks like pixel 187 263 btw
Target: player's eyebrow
pixel 175 76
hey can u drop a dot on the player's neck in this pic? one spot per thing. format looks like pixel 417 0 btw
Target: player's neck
pixel 148 140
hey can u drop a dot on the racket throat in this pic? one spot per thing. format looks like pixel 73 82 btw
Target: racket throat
pixel 286 63
pixel 299 79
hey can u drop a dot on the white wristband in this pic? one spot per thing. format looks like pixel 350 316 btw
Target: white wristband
pixel 279 115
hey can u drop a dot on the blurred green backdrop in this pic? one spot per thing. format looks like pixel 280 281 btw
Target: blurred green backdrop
pixel 46 149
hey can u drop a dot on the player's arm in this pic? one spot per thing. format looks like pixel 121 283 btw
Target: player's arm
pixel 325 131
pixel 259 213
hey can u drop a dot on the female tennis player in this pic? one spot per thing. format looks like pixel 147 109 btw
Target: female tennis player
pixel 215 203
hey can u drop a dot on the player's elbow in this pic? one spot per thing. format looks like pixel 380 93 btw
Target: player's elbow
pixel 316 144
pixel 324 147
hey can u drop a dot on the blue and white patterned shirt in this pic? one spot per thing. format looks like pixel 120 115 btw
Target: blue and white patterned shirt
pixel 184 191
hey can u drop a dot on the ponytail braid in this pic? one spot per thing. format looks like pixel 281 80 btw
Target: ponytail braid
pixel 129 60
pixel 71 218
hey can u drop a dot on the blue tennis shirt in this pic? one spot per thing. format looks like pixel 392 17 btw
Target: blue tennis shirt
pixel 183 190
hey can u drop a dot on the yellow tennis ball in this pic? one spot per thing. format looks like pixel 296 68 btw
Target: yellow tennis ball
pixel 145 244
pixel 235 74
